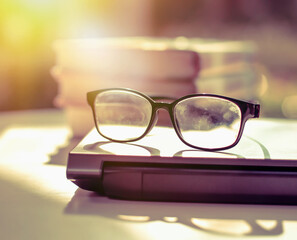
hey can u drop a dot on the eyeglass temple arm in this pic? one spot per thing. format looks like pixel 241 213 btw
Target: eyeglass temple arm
pixel 255 110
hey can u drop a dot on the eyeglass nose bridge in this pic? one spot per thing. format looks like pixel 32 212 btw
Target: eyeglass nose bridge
pixel 162 105
pixel 157 106
pixel 167 107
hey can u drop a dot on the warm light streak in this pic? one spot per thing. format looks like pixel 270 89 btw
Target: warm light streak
pixel 182 43
pixel 268 225
pixel 223 226
pixel 224 47
pixel 134 218
pixel 263 84
pixel 170 219
pixel 150 45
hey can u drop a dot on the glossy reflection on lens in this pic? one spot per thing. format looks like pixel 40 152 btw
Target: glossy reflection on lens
pixel 208 122
pixel 122 115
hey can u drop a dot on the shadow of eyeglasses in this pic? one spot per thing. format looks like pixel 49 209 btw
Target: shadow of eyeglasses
pixel 99 147
pixel 218 219
pixel 229 154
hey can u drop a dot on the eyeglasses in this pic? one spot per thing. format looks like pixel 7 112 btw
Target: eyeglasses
pixel 202 121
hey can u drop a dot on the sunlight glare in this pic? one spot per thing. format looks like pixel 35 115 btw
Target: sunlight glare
pixel 26 158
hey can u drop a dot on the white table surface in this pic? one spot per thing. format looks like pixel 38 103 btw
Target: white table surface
pixel 38 202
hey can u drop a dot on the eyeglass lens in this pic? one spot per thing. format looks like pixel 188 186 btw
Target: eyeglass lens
pixel 208 122
pixel 202 121
pixel 122 115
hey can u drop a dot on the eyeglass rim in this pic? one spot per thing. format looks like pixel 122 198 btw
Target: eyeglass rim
pixel 247 109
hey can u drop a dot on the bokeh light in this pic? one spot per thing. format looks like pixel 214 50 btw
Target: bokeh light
pixel 289 106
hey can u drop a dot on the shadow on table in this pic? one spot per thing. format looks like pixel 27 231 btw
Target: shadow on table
pixel 221 219
pixel 61 155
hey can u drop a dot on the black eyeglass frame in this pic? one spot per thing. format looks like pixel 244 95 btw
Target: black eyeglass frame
pixel 248 110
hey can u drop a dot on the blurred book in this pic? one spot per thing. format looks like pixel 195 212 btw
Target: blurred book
pixel 151 71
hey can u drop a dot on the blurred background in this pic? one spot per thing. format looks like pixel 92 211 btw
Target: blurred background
pixel 28 29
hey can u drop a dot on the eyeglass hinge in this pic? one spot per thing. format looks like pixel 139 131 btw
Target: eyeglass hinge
pixel 256 110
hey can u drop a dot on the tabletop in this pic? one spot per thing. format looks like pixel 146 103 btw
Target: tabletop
pixel 38 202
